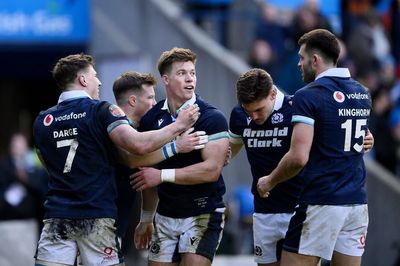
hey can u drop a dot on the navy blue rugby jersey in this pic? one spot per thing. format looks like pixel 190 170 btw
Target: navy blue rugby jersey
pixel 73 140
pixel 125 200
pixel 338 107
pixel 265 146
pixel 181 201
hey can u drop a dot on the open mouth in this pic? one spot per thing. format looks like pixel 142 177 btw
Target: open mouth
pixel 189 88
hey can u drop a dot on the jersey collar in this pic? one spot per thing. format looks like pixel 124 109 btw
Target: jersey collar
pixel 71 95
pixel 335 72
pixel 189 102
pixel 279 99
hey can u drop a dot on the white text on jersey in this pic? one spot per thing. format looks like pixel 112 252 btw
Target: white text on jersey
pixel 354 112
pixel 70 116
pixel 65 133
pixel 249 133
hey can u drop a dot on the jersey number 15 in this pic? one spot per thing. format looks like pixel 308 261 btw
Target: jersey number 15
pixel 359 133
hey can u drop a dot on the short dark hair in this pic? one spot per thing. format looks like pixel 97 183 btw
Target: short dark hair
pixel 323 41
pixel 131 81
pixel 253 85
pixel 167 58
pixel 66 69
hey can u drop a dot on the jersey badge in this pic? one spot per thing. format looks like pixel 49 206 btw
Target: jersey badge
pixel 48 119
pixel 338 96
pixel 116 111
pixel 277 118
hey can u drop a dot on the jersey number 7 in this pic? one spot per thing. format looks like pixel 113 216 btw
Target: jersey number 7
pixel 73 145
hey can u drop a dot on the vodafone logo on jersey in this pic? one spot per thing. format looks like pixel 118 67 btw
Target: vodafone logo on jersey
pixel 338 96
pixel 48 119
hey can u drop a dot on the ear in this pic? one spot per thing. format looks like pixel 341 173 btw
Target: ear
pixel 273 93
pixel 132 100
pixel 82 81
pixel 165 78
pixel 315 59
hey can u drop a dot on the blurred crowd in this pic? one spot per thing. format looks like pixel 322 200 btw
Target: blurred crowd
pixel 370 38
pixel 23 184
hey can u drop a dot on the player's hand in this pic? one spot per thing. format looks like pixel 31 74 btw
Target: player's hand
pixel 368 142
pixel 187 117
pixel 189 141
pixel 264 186
pixel 146 178
pixel 142 236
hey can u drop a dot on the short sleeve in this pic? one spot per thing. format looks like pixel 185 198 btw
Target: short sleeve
pixel 305 106
pixel 111 116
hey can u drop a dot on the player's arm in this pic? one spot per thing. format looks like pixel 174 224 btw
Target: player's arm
pixel 292 162
pixel 186 142
pixel 144 142
pixel 145 228
pixel 235 148
pixel 209 170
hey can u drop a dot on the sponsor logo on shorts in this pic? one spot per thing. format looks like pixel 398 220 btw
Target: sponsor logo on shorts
pixel 48 119
pixel 362 242
pixel 116 111
pixel 109 256
pixel 160 121
pixel 257 251
pixel 155 248
pixel 193 240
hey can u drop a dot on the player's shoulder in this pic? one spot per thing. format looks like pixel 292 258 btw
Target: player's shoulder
pixel 238 112
pixel 207 108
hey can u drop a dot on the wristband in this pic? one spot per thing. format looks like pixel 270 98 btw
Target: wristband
pixel 146 216
pixel 169 150
pixel 168 175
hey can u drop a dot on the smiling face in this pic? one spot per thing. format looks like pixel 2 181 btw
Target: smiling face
pixel 90 81
pixel 144 102
pixel 180 83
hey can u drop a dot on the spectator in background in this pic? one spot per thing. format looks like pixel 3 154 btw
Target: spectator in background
pixel 22 189
pixel 367 43
pixel 351 11
pixel 262 56
pixel 385 148
pixel 395 32
pixel 270 44
pixel 216 11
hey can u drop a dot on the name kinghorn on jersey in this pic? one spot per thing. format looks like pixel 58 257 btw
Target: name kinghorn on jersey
pixel 353 112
